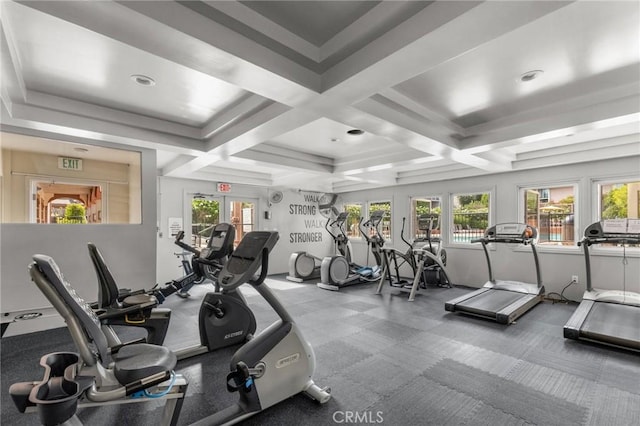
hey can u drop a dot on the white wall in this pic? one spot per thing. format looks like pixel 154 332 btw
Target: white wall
pixel 467 265
pixel 129 249
pixel 286 218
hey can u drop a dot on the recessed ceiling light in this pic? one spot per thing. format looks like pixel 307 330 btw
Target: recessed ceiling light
pixel 530 75
pixel 143 80
pixel 78 149
pixel 355 132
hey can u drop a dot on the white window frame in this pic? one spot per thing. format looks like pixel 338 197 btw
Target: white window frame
pixel 597 209
pixel 450 220
pixel 33 180
pixel 577 223
pixel 412 199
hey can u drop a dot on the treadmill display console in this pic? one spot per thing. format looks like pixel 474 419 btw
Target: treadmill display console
pixel 614 229
pixel 511 231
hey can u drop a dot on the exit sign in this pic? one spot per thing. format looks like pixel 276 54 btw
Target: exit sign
pixel 68 163
pixel 224 187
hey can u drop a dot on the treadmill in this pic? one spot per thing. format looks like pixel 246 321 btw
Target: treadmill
pixel 499 300
pixel 610 317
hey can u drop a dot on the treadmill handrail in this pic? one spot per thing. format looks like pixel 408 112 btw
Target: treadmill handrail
pixel 511 240
pixel 624 239
pixel 588 241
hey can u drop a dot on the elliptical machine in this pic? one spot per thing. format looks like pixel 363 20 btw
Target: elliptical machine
pixel 339 271
pixel 224 318
pixel 277 363
pixel 303 266
pixel 426 260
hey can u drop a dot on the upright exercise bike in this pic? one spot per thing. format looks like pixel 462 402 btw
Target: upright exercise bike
pixel 224 318
pixel 277 363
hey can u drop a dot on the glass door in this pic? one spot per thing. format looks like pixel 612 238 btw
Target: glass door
pixel 205 214
pixel 242 215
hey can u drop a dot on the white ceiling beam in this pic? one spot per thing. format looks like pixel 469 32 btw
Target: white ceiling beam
pixel 392 160
pixel 265 124
pixel 39 118
pixel 84 109
pixel 253 19
pixel 375 121
pixel 597 152
pixel 420 109
pixel 374 18
pixel 625 140
pixel 435 174
pixel 229 115
pixel 558 124
pixel 287 158
pixel 12 86
pixel 282 161
pixel 578 102
pixel 379 108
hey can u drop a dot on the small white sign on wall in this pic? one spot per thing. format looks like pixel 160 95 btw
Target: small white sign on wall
pixel 175 226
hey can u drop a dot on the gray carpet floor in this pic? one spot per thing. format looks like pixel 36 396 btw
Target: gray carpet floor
pixel 391 361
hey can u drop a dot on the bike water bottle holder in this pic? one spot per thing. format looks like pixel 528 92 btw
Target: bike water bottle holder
pixel 240 379
pixel 56 395
pixel 243 377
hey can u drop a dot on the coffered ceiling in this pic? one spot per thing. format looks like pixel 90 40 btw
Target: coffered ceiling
pixel 264 92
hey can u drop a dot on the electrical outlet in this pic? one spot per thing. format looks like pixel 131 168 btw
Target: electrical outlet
pixel 574 278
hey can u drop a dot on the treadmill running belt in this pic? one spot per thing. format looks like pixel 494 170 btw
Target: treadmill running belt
pixel 613 323
pixel 490 302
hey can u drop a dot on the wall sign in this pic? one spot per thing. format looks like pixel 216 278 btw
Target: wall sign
pixel 312 225
pixel 68 163
pixel 175 226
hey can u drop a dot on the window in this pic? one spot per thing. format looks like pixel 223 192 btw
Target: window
pixel 54 182
pixel 552 211
pixel 425 213
pixel 470 216
pixel 385 226
pixel 618 200
pixel 65 203
pixel 355 213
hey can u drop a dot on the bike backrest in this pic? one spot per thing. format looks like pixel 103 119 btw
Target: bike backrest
pixel 83 323
pixel 107 288
pixel 220 241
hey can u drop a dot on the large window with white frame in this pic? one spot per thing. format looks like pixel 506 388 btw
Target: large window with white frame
pixel 469 216
pixel 618 199
pixel 57 182
pixel 552 210
pixel 385 226
pixel 426 215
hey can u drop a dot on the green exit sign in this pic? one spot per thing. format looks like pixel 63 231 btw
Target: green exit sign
pixel 68 163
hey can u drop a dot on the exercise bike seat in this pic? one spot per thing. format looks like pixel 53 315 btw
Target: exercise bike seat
pixel 109 295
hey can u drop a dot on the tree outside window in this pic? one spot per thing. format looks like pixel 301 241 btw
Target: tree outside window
pixel 470 216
